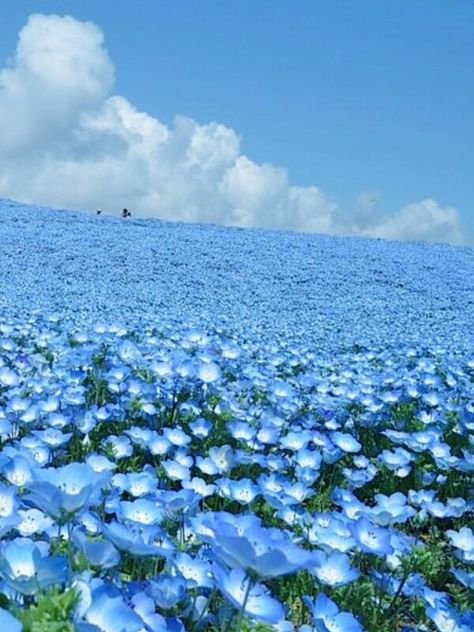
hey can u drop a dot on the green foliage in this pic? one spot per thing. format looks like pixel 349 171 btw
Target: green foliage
pixel 432 560
pixel 45 352
pixel 97 391
pixel 52 612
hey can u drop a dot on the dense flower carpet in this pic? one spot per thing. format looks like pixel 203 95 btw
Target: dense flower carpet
pixel 207 428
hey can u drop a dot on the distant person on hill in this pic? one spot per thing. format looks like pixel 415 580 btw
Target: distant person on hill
pixel 126 213
pixel 99 211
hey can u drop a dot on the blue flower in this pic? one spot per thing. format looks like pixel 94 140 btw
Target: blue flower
pixel 333 569
pixel 141 512
pixel 371 539
pixel 166 590
pixel 345 442
pixel 243 490
pixel 195 571
pixel 26 566
pixel 463 541
pixel 137 541
pixel 9 623
pixel 61 492
pixel 465 578
pixel 238 589
pixel 109 612
pixel 99 553
pixel 328 618
pixel 257 550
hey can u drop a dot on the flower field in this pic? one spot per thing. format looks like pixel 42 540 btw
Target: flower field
pixel 206 428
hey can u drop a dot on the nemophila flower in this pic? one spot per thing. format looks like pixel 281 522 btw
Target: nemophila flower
pixel 463 577
pixel 423 440
pixel 39 452
pixel 200 427
pixel 166 590
pixel 140 436
pixel 306 475
pixel 268 435
pixel 33 521
pixel 207 466
pixel 253 598
pixel 333 569
pixel 345 442
pixel 209 372
pixel 397 460
pixel 181 501
pixel 295 440
pixel 453 508
pixel 359 478
pixel 52 437
pixel 99 553
pixel 241 431
pixel 463 541
pixel 183 457
pixel 109 612
pixel 349 503
pixel 223 457
pixel 175 471
pixel 90 521
pixel 142 512
pixel 446 619
pixel 6 428
pixel 298 492
pixel 260 551
pixel 8 503
pixel 145 608
pixel 243 491
pixel 120 446
pixel 85 422
pixel 26 566
pixel 49 405
pixel 100 463
pixel 9 622
pixel 273 483
pixel 159 446
pixel 8 378
pixel 137 484
pixel 420 498
pixel 443 458
pixel 208 524
pixel 370 538
pixel 328 618
pixel 330 534
pixel 392 509
pixel 136 539
pixel 309 458
pixel 331 453
pixel 61 492
pixel 196 571
pixel 199 486
pixel 176 436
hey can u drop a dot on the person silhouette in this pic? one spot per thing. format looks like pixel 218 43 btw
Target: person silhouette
pixel 126 213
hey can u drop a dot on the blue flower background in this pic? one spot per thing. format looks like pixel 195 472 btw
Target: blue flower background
pixel 207 428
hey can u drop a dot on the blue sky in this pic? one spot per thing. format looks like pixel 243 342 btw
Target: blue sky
pixel 369 101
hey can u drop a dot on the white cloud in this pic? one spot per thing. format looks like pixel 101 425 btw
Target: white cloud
pixel 424 220
pixel 67 142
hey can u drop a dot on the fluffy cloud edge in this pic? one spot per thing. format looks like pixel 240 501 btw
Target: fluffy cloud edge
pixel 69 142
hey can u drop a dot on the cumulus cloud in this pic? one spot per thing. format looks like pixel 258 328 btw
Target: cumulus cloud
pixel 68 141
pixel 423 220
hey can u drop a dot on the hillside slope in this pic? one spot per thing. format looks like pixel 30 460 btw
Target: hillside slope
pixel 333 290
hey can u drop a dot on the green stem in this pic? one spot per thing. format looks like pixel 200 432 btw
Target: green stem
pixel 246 597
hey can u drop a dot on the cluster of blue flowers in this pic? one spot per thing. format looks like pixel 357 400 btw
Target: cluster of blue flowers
pixel 217 466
